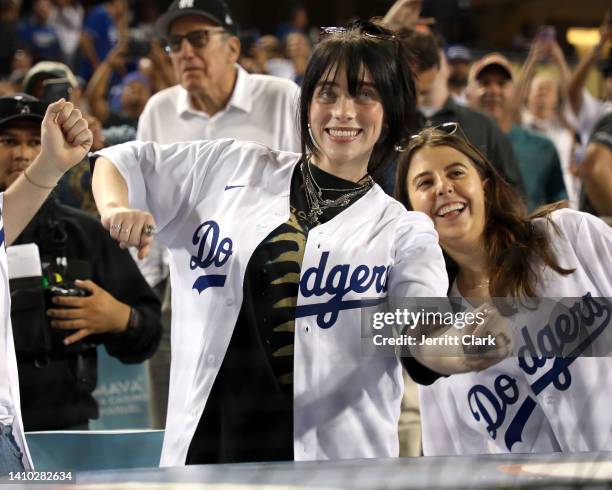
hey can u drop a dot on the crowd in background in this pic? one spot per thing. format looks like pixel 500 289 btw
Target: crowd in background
pixel 543 128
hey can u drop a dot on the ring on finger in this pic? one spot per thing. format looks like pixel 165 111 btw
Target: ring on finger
pixel 149 230
pixel 116 227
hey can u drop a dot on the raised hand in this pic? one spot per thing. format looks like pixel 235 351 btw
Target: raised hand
pixel 65 136
pixel 404 14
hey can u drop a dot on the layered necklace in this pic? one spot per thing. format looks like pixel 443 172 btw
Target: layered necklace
pixel 314 194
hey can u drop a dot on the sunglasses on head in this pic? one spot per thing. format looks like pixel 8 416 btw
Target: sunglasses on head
pixel 447 128
pixel 197 39
pixel 366 28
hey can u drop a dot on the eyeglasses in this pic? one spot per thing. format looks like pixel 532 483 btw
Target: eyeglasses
pixel 448 128
pixel 366 28
pixel 198 39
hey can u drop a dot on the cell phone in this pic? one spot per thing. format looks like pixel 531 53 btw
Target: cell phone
pixel 55 89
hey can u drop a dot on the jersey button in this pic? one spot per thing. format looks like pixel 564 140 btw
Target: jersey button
pixel 229 301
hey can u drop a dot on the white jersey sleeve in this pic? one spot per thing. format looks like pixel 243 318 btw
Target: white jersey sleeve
pixel 419 269
pixel 167 180
pixel 591 239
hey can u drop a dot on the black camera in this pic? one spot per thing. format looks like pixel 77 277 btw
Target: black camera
pixel 32 332
pixel 67 288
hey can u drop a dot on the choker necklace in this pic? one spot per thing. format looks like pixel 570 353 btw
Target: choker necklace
pixel 314 194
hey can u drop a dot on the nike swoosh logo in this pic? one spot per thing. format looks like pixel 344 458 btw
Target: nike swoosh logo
pixel 228 187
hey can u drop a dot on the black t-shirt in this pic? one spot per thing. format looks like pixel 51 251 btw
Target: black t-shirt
pixel 249 413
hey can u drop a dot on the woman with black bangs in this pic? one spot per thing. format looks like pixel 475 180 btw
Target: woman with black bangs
pixel 272 255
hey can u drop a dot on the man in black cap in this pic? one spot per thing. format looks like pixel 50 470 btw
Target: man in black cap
pixel 95 292
pixel 214 98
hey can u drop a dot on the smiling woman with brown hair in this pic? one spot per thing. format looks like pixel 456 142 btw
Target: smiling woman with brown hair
pixel 533 266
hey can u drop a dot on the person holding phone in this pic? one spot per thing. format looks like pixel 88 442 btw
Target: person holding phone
pixel 541 99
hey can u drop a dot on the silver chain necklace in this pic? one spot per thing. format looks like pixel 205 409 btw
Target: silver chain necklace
pixel 314 194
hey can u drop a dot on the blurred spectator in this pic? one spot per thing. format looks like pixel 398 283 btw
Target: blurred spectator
pixel 52 80
pixel 268 52
pixel 157 67
pixel 436 106
pixel 7 87
pixel 540 102
pixel 595 169
pixel 298 49
pixel 297 20
pixel 584 109
pixel 135 91
pixel 9 34
pixel 12 84
pixel 459 59
pixel 215 97
pixel 67 19
pixel 22 62
pixel 38 36
pixel 102 29
pixel 491 89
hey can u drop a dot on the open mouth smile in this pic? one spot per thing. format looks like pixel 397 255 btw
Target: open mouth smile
pixel 451 210
pixel 343 134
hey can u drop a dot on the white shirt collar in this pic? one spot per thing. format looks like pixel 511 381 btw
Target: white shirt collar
pixel 241 96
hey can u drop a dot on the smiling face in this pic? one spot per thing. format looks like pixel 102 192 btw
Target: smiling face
pixel 492 92
pixel 207 68
pixel 345 127
pixel 19 145
pixel 444 184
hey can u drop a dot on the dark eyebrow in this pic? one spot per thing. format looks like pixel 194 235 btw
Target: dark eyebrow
pixel 368 84
pixel 327 83
pixel 449 166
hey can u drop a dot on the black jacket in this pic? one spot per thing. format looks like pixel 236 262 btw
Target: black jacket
pixel 56 386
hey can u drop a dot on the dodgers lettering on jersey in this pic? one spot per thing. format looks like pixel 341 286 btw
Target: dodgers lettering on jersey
pixel 338 281
pixel 217 252
pixel 491 405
